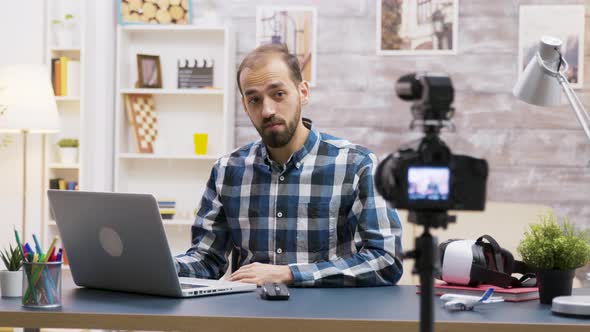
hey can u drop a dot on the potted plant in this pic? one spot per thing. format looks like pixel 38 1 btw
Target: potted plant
pixel 68 150
pixel 554 249
pixel 11 279
pixel 64 31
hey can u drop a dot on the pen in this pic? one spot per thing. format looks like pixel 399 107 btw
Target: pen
pixel 49 288
pixel 37 245
pixel 50 255
pixel 25 253
pixel 20 246
pixel 30 252
pixel 29 249
pixel 49 284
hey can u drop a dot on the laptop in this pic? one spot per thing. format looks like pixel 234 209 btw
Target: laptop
pixel 116 241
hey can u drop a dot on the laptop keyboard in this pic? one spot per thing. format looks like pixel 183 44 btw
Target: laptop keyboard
pixel 189 286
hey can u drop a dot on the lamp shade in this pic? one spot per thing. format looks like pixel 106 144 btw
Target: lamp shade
pixel 536 85
pixel 27 102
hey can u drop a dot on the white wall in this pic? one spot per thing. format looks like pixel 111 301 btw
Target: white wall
pixel 99 95
pixel 22 41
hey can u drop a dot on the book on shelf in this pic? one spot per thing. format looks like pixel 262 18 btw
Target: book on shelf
pixel 65 76
pixel 517 294
pixel 56 75
pixel 61 184
pixel 57 183
pixel 73 78
pixel 63 60
pixel 72 185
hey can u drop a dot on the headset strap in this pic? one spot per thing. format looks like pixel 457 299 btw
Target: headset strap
pixel 487 276
pixel 496 251
pixel 521 267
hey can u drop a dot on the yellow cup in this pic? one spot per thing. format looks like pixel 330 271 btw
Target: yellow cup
pixel 200 143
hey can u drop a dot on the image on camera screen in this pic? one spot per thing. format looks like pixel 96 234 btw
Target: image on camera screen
pixel 428 183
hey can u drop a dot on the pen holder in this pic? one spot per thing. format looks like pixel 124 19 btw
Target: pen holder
pixel 41 285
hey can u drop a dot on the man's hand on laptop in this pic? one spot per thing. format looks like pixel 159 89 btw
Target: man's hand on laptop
pixel 257 273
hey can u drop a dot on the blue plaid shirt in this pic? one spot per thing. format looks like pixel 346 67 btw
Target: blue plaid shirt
pixel 319 213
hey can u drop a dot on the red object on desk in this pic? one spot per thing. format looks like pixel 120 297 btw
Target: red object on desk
pixel 509 294
pixel 64 257
pixel 50 255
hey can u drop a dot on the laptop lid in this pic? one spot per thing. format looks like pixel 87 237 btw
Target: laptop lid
pixel 115 241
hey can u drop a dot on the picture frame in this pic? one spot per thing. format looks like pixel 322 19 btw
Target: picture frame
pixel 149 71
pixel 143 120
pixel 295 26
pixel 565 22
pixel 415 27
pixel 137 12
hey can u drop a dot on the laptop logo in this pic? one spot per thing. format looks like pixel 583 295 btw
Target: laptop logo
pixel 110 241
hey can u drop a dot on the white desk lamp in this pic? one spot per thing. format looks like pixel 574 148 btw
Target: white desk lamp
pixel 543 79
pixel 541 85
pixel 27 105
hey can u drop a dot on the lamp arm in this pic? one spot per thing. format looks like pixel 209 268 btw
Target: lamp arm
pixel 586 114
pixel 563 80
pixel 577 106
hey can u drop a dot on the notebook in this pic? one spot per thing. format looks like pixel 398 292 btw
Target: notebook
pixel 509 294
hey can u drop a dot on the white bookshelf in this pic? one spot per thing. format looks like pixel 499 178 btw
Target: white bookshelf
pixel 63 166
pixel 70 108
pixel 173 28
pixel 168 156
pixel 212 92
pixel 67 99
pixel 174 171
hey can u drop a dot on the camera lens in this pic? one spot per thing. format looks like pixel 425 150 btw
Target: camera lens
pixel 385 179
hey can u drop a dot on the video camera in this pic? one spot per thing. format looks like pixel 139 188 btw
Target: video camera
pixel 424 175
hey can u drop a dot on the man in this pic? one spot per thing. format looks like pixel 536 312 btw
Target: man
pixel 298 206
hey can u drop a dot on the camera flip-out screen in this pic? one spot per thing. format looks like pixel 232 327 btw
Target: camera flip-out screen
pixel 428 183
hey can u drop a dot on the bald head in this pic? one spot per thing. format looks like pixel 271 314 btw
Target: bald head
pixel 268 53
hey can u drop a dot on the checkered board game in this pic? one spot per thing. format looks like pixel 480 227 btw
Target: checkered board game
pixel 141 113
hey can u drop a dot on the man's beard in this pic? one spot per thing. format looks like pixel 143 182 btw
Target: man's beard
pixel 279 139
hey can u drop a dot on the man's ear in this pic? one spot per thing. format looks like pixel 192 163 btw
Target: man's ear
pixel 304 92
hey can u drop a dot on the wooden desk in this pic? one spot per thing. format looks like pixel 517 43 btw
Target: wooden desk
pixel 354 309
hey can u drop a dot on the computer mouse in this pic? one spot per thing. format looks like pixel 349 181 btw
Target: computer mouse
pixel 274 291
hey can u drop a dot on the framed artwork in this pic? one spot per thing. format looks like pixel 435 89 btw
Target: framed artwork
pixel 149 71
pixel 565 22
pixel 155 12
pixel 417 27
pixel 294 26
pixel 141 114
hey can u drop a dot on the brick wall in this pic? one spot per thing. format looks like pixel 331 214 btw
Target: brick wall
pixel 536 155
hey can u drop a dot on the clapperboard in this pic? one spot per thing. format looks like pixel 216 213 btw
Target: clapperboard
pixel 193 74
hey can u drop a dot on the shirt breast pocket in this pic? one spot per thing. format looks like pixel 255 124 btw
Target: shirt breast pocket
pixel 316 230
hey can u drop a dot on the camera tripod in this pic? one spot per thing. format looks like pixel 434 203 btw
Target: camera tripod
pixel 426 261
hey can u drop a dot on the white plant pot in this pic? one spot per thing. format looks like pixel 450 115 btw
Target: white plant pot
pixel 11 283
pixel 68 155
pixel 64 37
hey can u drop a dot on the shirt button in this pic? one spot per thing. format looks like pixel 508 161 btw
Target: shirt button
pixel 282 178
pixel 279 251
pixel 280 214
pixel 298 165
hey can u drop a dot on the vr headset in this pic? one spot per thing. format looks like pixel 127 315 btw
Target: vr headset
pixel 468 262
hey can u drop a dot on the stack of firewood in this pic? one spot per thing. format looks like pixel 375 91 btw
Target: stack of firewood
pixel 155 11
